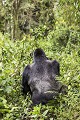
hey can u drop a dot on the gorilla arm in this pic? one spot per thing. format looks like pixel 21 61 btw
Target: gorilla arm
pixel 56 67
pixel 59 86
pixel 25 79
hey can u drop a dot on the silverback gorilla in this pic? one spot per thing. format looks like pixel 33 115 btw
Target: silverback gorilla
pixel 39 79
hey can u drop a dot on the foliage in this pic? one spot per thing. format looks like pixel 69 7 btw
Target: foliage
pixel 37 17
pixel 53 26
pixel 71 13
pixel 21 16
pixel 15 55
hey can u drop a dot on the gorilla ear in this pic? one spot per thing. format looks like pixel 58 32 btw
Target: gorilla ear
pixel 56 67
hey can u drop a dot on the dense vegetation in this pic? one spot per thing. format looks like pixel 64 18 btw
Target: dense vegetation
pixel 57 32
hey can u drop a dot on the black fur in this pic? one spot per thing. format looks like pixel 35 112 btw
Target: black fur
pixel 39 78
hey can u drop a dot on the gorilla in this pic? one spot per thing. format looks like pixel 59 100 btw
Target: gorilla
pixel 39 79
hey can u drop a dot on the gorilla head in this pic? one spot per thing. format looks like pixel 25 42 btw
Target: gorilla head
pixel 39 78
pixel 39 55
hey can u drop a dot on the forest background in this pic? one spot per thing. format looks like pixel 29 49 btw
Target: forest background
pixel 54 26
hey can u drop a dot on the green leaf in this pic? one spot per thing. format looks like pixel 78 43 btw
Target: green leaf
pixel 8 89
pixel 45 113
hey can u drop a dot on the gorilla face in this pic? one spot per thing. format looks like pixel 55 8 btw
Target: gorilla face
pixel 39 78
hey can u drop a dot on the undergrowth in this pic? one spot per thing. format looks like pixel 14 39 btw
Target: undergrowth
pixel 16 55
